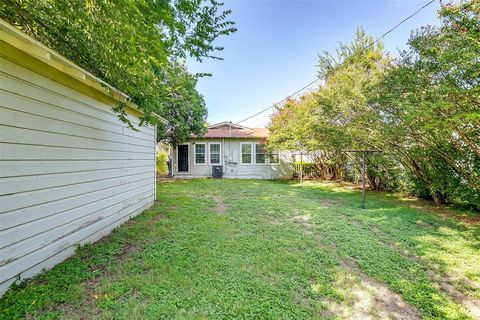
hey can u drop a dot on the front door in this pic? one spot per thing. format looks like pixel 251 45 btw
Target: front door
pixel 183 158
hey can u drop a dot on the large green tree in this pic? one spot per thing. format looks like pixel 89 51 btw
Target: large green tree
pixel 430 106
pixel 421 110
pixel 336 117
pixel 134 45
pixel 182 105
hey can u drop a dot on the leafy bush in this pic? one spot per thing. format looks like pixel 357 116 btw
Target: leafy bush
pixel 161 159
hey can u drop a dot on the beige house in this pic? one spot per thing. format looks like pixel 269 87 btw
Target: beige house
pixel 70 170
pixel 230 151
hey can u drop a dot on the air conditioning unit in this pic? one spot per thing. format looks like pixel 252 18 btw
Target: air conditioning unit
pixel 217 172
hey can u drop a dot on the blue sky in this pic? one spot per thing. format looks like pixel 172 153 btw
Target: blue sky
pixel 274 51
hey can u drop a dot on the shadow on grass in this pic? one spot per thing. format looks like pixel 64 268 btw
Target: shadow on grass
pixel 390 234
pixel 275 251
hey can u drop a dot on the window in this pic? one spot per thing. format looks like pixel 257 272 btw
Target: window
pixel 214 153
pixel 200 151
pixel 273 157
pixel 259 153
pixel 246 153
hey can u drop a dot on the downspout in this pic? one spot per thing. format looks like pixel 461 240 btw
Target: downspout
pixel 230 154
pixel 155 163
pixel 223 157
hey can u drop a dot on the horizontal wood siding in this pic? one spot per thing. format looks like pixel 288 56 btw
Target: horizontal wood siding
pixel 70 171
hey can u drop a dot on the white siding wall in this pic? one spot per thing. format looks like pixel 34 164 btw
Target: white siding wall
pixel 231 154
pixel 70 171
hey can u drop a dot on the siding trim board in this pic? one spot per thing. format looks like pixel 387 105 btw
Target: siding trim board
pixel 70 170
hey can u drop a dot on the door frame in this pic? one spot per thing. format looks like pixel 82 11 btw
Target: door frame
pixel 188 158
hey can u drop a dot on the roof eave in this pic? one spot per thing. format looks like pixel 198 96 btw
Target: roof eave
pixel 23 42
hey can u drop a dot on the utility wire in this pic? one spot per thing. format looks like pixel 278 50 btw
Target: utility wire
pixel 284 99
pixel 401 22
pixel 317 79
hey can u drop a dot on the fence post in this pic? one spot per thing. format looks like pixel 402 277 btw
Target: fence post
pixel 301 166
pixel 363 180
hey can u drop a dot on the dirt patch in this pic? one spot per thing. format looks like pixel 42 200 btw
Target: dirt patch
pixel 220 207
pixel 366 298
pixel 304 221
pixel 72 312
pixel 445 283
pixel 127 250
pixel 164 178
pixel 276 222
pixel 159 217
pixel 100 273
pixel 424 224
pixel 136 294
pixel 92 283
pixel 86 310
pixel 83 312
pixel 129 223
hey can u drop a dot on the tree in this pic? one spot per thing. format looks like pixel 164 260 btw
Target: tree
pixel 183 106
pixel 133 45
pixel 337 116
pixel 430 106
pixel 421 109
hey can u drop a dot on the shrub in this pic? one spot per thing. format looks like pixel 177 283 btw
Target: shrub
pixel 162 158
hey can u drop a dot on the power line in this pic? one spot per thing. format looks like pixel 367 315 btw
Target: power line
pixel 317 79
pixel 284 99
pixel 401 22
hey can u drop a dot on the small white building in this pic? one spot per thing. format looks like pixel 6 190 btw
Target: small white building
pixel 230 151
pixel 70 170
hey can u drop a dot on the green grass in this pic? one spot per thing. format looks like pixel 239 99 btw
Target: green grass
pixel 220 249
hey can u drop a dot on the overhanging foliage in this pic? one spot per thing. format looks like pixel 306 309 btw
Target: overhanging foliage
pixel 136 46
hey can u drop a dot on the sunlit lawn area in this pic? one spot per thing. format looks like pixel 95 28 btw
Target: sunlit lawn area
pixel 220 249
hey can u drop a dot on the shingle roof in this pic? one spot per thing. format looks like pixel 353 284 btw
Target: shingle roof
pixel 225 131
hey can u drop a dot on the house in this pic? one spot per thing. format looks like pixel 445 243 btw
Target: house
pixel 230 151
pixel 70 170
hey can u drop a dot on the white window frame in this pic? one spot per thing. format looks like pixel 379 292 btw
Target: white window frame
pixel 219 154
pixel 255 155
pixel 251 153
pixel 195 154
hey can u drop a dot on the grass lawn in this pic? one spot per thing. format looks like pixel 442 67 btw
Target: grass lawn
pixel 220 249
